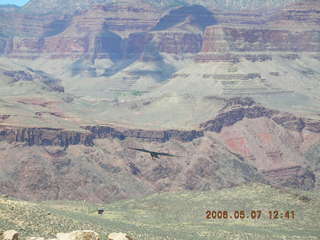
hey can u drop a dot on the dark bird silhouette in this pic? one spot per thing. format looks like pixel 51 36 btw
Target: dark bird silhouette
pixel 154 154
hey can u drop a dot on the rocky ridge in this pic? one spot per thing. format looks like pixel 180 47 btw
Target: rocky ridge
pixel 235 110
pixel 205 155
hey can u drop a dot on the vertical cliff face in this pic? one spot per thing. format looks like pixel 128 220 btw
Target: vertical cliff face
pixel 294 29
pixel 3 45
pixel 45 136
pixel 215 40
pixel 74 40
pixel 18 23
pixel 297 16
pixel 22 33
pixel 125 18
pixel 63 6
pixel 224 39
pixel 107 29
pixel 181 30
pixel 97 32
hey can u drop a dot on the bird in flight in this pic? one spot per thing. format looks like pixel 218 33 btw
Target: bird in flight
pixel 154 154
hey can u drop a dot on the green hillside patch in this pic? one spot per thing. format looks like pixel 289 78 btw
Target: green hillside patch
pixel 175 215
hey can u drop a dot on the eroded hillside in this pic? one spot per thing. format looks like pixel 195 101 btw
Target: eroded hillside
pixel 233 93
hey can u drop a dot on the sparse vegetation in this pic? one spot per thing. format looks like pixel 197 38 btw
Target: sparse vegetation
pixel 171 216
pixel 136 93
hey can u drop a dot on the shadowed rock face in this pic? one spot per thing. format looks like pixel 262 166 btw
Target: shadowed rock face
pixel 57 26
pixel 199 15
pixel 109 44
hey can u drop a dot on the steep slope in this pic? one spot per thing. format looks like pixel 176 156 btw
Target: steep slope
pixel 254 143
pixel 110 171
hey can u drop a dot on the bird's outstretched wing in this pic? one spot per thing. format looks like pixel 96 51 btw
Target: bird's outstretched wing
pixel 140 149
pixel 166 154
pixel 155 154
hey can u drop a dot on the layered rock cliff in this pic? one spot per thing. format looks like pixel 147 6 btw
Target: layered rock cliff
pixel 71 5
pixel 100 32
pixel 221 39
pixel 150 68
pixel 96 32
pixel 235 110
pixel 204 163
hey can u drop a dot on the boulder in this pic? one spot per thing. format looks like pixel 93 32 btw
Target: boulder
pixel 78 235
pixel 10 235
pixel 35 238
pixel 119 236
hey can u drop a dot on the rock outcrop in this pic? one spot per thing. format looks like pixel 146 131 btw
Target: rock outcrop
pixel 147 135
pixel 65 138
pixel 119 236
pixel 44 136
pixel 238 108
pixel 78 235
pixel 75 235
pixel 9 235
pixel 40 78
